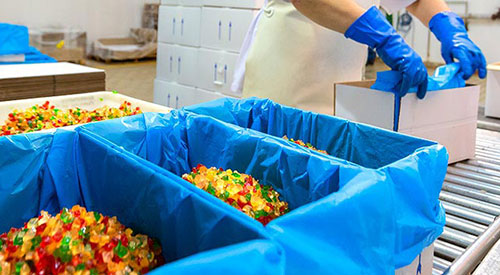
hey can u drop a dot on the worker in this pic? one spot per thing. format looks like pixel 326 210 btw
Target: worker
pixel 288 58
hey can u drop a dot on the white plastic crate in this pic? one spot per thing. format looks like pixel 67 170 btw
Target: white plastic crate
pixel 88 101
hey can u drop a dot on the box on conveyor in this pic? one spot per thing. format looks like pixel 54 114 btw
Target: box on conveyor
pixel 448 117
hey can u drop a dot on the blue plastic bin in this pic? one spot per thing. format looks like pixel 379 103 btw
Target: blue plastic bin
pixel 417 167
pixel 373 207
pixel 48 171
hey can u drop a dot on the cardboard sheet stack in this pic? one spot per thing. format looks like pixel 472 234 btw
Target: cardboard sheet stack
pixel 48 79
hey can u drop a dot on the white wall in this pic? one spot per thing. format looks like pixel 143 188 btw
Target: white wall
pixel 99 18
pixel 485 33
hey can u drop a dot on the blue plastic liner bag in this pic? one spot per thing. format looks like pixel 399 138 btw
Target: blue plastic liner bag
pixel 345 216
pixel 445 77
pixel 14 39
pixel 48 171
pixel 423 163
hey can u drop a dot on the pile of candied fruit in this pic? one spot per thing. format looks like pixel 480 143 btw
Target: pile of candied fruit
pixel 242 191
pixel 76 242
pixel 303 144
pixel 46 116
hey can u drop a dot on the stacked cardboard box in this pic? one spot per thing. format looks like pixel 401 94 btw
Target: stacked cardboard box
pixel 48 79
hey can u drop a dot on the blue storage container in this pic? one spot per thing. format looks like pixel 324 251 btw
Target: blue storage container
pixel 373 205
pixel 417 167
pixel 48 171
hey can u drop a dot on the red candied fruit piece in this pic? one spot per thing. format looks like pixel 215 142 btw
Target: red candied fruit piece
pixel 124 240
pixel 41 228
pixel 57 237
pixel 45 241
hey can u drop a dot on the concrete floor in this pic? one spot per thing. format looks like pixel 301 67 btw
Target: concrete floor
pixel 136 79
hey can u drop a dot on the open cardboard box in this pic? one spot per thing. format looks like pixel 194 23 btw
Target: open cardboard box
pixel 448 117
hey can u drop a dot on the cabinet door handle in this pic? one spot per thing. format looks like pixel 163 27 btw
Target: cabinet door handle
pixel 179 65
pixel 177 102
pixel 168 100
pixel 182 26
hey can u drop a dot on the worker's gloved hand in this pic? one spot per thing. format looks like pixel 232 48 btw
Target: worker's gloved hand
pixel 374 30
pixel 449 28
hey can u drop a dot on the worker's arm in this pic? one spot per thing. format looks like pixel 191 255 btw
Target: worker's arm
pixel 450 29
pixel 370 28
pixel 336 15
pixel 424 10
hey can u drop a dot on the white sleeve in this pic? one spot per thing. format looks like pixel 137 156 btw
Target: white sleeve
pixel 395 5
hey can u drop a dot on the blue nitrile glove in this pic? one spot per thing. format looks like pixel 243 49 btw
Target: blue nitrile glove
pixel 449 28
pixel 372 29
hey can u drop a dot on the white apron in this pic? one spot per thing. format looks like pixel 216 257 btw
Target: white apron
pixel 293 61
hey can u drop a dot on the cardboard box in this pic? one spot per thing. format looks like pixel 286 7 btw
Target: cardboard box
pixel 174 95
pixel 447 116
pixel 492 107
pixel 216 69
pixel 225 28
pixel 179 25
pixel 245 4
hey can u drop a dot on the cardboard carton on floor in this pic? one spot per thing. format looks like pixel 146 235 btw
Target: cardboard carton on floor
pixel 446 116
pixel 492 108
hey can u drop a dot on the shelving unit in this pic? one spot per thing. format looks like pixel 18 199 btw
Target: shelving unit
pixel 198 48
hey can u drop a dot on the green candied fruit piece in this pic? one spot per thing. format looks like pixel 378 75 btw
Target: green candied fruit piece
pixel 211 189
pixel 80 267
pixel 36 242
pixel 19 266
pixel 1 244
pixel 226 194
pixel 225 178
pixel 18 240
pixel 63 253
pixel 66 240
pixel 120 250
pixel 132 245
pixel 97 216
pixel 93 271
pixel 236 175
pixel 248 197
pixel 260 213
pixel 66 217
